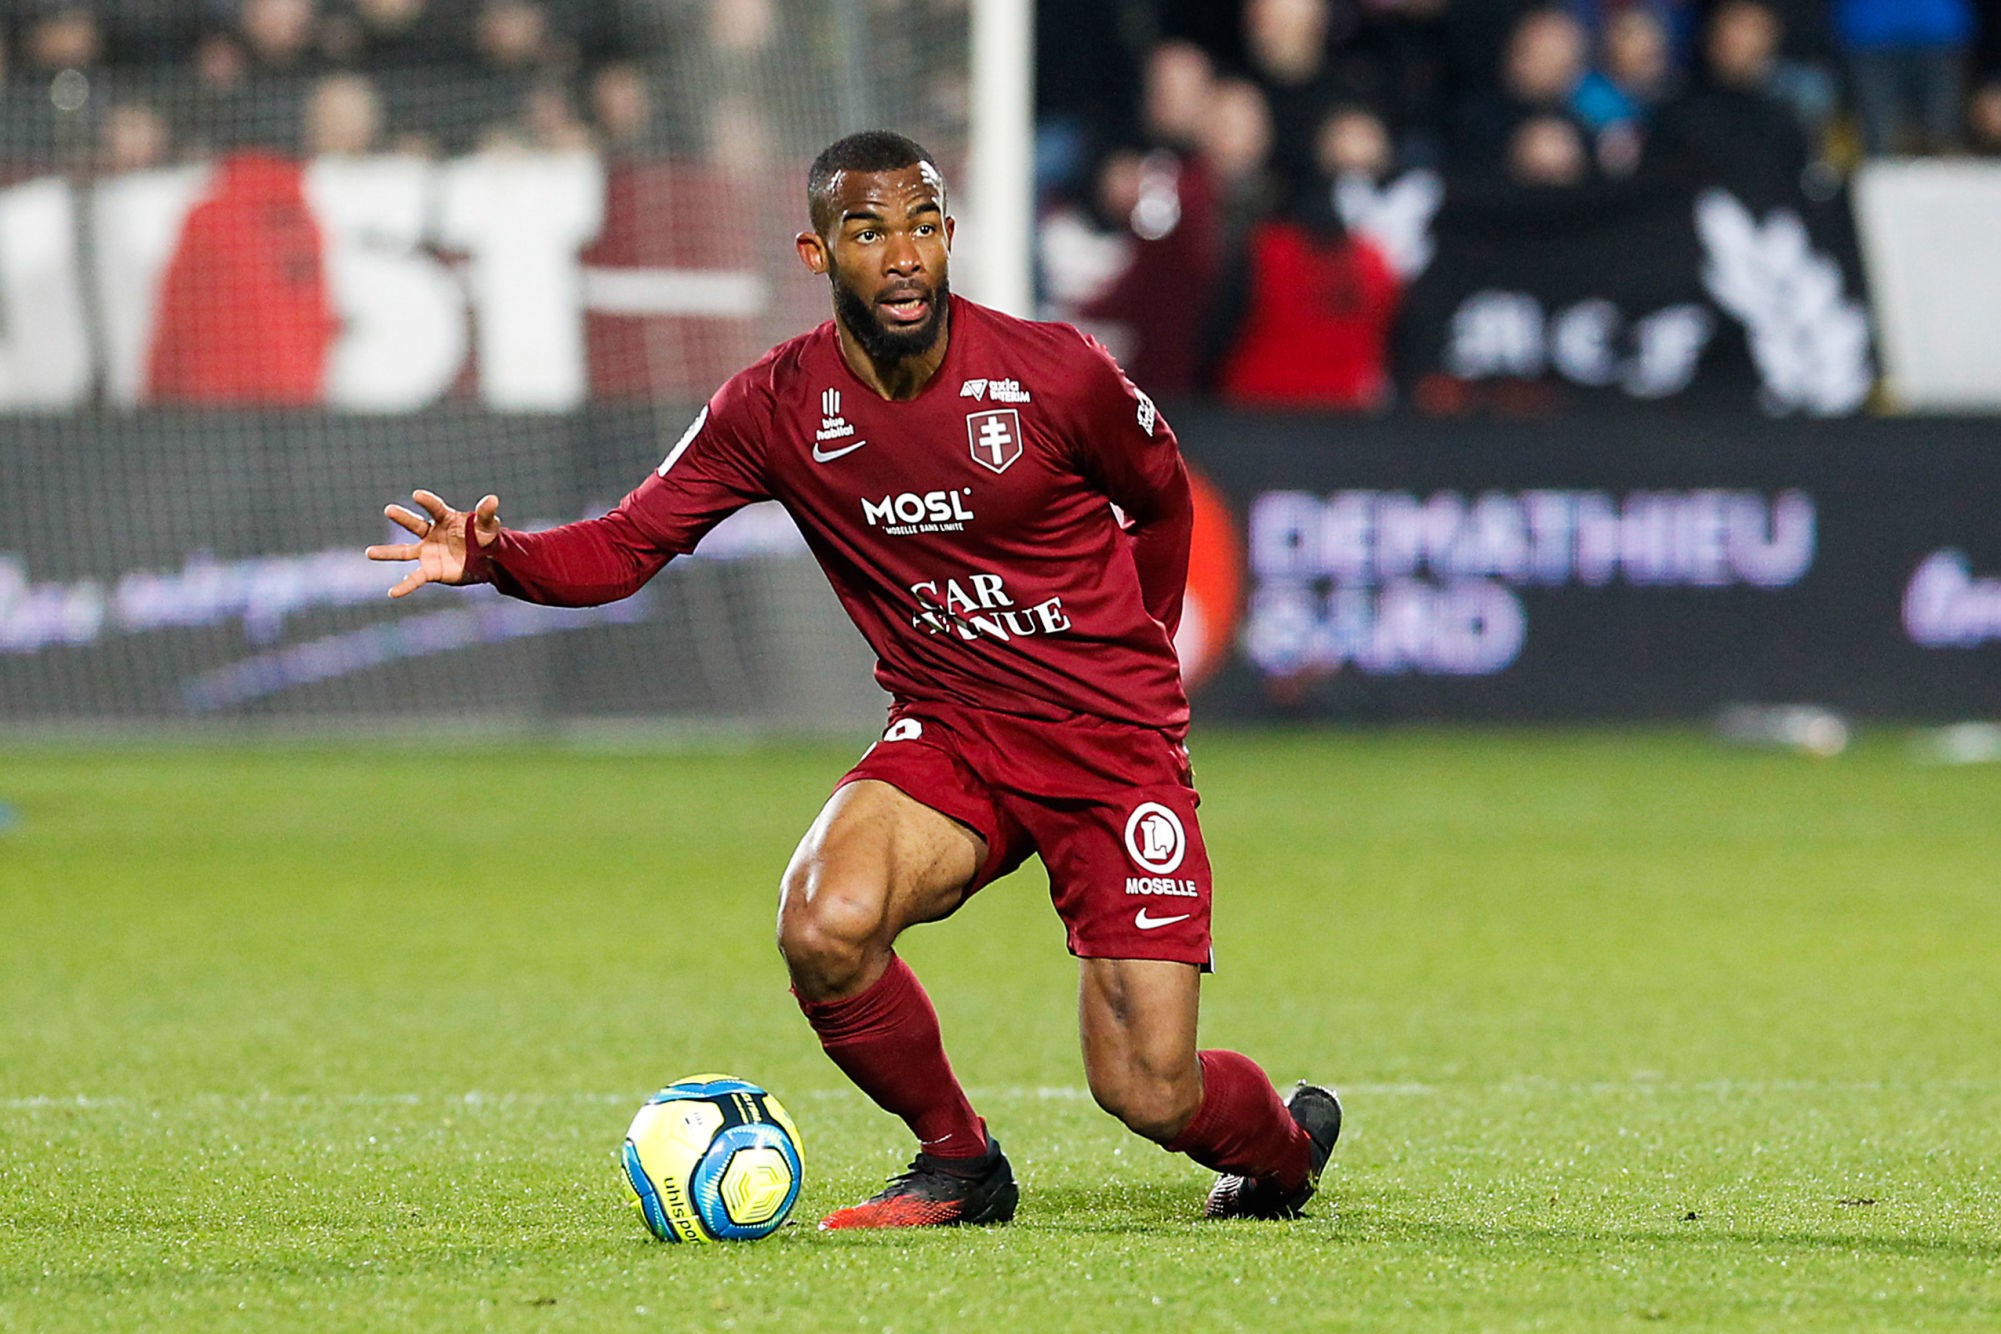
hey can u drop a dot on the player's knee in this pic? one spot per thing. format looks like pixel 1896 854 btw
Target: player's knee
pixel 828 933
pixel 1155 1105
pixel 824 963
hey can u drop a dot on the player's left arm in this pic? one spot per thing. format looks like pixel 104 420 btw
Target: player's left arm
pixel 1132 453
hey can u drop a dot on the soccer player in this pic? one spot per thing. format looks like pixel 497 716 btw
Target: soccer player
pixel 1006 519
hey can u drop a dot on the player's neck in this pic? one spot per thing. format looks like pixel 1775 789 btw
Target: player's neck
pixel 904 377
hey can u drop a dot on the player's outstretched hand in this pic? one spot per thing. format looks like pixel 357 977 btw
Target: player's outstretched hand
pixel 440 548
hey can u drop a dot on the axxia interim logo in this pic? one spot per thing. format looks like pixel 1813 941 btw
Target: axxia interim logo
pixel 996 391
pixel 920 512
pixel 973 606
pixel 995 438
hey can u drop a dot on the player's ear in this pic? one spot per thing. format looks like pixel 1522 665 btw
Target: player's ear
pixel 812 251
pixel 951 225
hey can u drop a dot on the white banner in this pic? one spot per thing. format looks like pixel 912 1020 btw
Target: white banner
pixel 1931 245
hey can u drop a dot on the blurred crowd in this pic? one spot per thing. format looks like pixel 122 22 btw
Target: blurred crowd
pixel 1191 153
pixel 137 83
pixel 163 80
pixel 1195 160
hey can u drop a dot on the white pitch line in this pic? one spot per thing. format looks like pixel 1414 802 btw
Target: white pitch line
pixel 1004 1093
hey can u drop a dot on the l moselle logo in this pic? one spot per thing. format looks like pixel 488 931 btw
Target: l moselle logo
pixel 1154 838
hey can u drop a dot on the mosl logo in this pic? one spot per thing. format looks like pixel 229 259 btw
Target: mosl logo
pixel 919 512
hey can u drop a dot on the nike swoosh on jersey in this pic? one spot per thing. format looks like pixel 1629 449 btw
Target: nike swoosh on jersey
pixel 1145 923
pixel 829 455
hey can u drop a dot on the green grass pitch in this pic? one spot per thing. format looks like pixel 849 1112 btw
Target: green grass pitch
pixel 1635 1033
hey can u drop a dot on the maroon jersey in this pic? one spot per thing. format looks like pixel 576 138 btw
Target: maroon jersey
pixel 969 531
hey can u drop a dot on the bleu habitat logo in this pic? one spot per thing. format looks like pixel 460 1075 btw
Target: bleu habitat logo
pixel 1387 582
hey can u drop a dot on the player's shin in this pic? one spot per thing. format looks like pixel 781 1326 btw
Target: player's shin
pixel 886 1040
pixel 1242 1126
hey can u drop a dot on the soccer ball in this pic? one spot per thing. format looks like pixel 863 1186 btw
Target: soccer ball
pixel 712 1158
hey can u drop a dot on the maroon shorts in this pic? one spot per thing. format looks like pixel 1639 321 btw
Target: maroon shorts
pixel 1109 807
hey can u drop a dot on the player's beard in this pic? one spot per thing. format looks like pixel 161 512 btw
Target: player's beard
pixel 886 346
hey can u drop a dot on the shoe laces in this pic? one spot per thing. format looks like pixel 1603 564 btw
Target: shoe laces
pixel 925 1169
pixel 906 1180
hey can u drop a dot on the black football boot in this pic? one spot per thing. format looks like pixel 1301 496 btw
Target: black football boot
pixel 938 1192
pixel 1318 1112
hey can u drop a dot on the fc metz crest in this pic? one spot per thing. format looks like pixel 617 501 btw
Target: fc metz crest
pixel 995 438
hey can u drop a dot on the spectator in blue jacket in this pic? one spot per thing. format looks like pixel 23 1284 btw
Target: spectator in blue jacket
pixel 1908 60
pixel 1633 74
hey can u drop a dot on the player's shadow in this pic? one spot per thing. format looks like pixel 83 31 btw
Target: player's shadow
pixel 1157 1208
pixel 1691 1234
pixel 1119 1208
pixel 1114 1208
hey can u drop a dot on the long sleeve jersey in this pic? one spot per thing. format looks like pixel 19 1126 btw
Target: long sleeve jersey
pixel 970 532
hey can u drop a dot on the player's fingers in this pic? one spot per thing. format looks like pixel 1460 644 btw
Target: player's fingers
pixel 486 519
pixel 392 551
pixel 402 518
pixel 410 583
pixel 436 508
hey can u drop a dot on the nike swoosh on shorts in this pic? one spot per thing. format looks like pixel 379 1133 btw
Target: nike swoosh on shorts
pixel 1145 923
pixel 829 455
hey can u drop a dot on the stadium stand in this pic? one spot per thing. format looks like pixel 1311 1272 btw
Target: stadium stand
pixel 1172 135
pixel 1258 110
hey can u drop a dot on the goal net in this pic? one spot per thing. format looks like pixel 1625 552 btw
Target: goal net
pixel 259 278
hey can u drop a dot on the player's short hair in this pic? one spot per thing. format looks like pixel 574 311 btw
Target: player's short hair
pixel 870 150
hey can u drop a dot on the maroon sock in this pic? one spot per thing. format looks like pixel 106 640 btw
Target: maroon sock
pixel 1242 1126
pixel 886 1040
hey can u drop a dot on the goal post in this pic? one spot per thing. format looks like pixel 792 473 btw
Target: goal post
pixel 1000 185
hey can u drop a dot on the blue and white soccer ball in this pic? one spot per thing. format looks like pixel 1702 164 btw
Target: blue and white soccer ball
pixel 712 1158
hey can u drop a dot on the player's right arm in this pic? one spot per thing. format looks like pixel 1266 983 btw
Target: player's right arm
pixel 711 472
